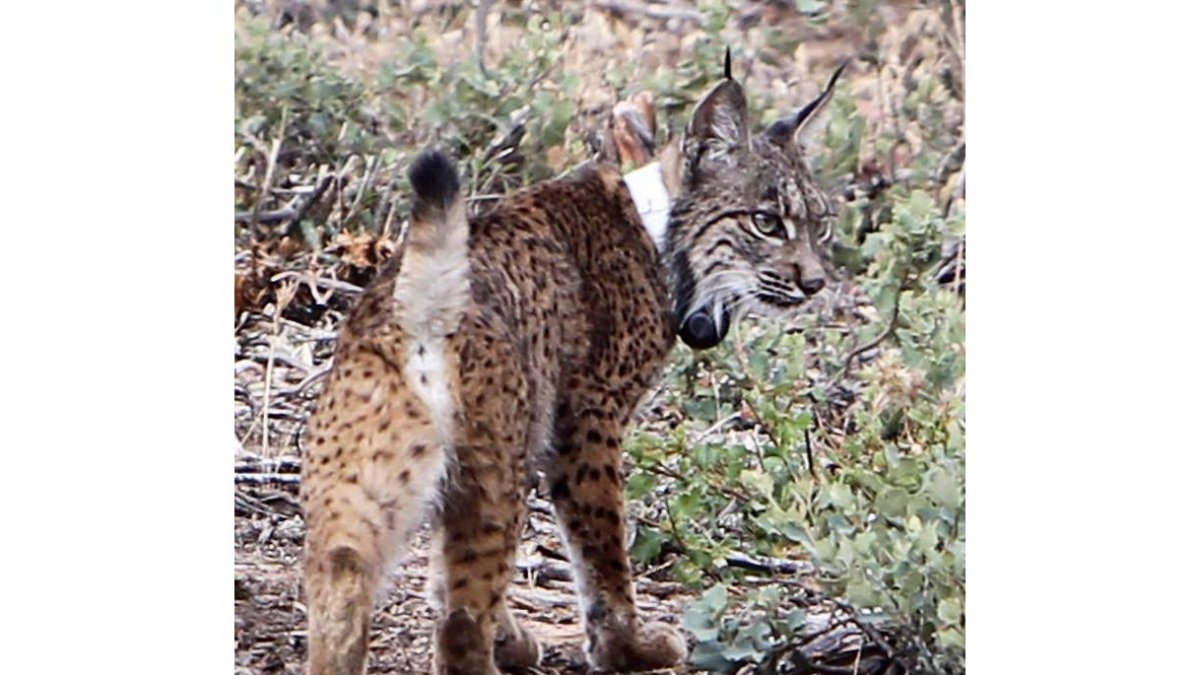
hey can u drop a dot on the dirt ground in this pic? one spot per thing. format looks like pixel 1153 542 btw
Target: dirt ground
pixel 269 613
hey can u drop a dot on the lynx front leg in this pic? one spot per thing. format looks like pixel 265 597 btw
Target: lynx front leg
pixel 588 490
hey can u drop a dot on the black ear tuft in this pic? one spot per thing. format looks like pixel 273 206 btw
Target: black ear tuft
pixel 784 129
pixel 720 119
pixel 728 65
pixel 434 178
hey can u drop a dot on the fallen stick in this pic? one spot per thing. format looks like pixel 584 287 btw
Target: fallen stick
pixel 767 565
pixel 282 465
pixel 652 11
pixel 266 478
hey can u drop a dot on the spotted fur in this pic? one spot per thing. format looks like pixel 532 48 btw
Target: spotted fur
pixel 521 340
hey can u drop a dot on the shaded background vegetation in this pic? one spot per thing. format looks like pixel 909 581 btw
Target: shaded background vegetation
pixel 798 492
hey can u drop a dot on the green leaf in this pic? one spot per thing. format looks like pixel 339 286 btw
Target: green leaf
pixel 709 656
pixel 796 619
pixel 648 544
pixel 639 485
pixel 860 593
pixel 757 482
pixel 892 502
pixel 944 489
pixel 796 532
pixel 744 649
pixel 840 497
pixel 951 638
pixel 704 632
pixel 715 599
pixel 950 610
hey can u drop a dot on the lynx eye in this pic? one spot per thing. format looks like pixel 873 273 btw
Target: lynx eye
pixel 769 225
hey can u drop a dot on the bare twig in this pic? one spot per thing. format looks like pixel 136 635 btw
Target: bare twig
pixel 767 429
pixel 481 13
pixel 266 405
pixel 875 342
pixel 386 202
pixel 323 181
pixel 485 198
pixel 674 530
pixel 320 282
pixel 717 426
pixel 350 165
pixel 545 568
pixel 283 298
pixel 956 40
pixel 278 356
pixel 275 465
pixel 373 162
pixel 661 470
pixel 812 467
pixel 265 217
pixel 315 376
pixel 292 213
pixel 663 12
pixel 766 565
pixel 866 628
pixel 266 479
pixel 265 186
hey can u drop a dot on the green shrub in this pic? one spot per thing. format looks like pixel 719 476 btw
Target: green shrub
pixel 286 88
pixel 501 123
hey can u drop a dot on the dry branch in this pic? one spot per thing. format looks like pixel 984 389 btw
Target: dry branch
pixel 663 12
pixel 289 214
pixel 266 478
pixel 277 465
pixel 320 282
pixel 767 565
pixel 266 217
pixel 875 342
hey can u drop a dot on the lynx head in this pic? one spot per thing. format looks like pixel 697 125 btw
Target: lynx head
pixel 748 224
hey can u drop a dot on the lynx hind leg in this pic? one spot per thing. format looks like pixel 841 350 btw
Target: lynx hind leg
pixel 514 645
pixel 588 491
pixel 481 524
pixel 483 512
pixel 372 463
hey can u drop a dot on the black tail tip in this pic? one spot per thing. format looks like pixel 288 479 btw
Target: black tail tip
pixel 434 178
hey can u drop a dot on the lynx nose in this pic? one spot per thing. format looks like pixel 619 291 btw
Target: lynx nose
pixel 812 286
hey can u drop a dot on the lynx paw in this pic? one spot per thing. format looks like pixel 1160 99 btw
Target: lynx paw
pixel 655 645
pixel 460 647
pixel 516 647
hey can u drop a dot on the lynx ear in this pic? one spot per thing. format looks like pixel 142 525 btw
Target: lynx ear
pixel 718 126
pixel 786 129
